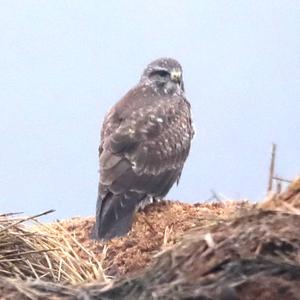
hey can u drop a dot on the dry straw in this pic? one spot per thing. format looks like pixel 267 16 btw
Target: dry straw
pixel 44 251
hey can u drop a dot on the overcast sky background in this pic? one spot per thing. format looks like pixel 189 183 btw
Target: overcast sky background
pixel 63 64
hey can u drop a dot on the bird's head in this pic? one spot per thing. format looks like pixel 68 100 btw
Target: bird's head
pixel 165 76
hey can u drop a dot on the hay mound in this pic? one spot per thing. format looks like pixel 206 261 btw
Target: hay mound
pixel 226 258
pixel 43 252
pixel 223 251
pixel 256 256
pixel 157 227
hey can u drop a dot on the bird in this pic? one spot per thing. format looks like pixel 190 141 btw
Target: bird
pixel 145 140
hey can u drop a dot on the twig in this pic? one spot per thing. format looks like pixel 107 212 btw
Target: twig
pixel 27 219
pixel 282 179
pixel 215 196
pixel 272 167
pixel 278 187
pixel 149 225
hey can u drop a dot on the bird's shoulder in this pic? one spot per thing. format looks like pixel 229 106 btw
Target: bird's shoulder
pixel 142 116
pixel 143 105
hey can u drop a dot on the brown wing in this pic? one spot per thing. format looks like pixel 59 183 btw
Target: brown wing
pixel 152 140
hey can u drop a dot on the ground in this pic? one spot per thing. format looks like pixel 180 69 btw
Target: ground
pixel 155 228
pixel 223 250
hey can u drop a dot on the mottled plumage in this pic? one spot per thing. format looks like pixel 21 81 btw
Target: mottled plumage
pixel 145 140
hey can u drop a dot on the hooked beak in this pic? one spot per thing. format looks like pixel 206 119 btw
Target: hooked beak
pixel 176 76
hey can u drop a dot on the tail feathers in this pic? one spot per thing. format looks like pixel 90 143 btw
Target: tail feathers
pixel 115 214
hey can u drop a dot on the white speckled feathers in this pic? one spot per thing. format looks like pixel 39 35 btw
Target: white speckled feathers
pixel 145 140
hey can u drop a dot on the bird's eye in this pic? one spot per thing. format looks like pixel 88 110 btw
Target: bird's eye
pixel 160 73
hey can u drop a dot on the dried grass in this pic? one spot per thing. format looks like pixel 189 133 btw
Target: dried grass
pixel 43 251
pixel 231 251
pixel 287 201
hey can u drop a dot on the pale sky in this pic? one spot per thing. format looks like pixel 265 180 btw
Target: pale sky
pixel 63 64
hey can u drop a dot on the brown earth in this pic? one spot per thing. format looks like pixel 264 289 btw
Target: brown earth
pixel 156 228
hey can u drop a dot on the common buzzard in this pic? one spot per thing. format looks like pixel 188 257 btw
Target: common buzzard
pixel 145 140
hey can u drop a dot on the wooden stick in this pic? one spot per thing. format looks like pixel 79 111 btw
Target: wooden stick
pixel 215 196
pixel 282 179
pixel 278 187
pixel 272 167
